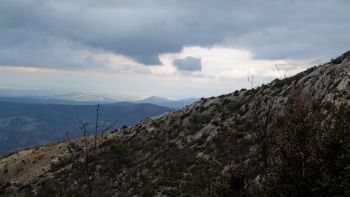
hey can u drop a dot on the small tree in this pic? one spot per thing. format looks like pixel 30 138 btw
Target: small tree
pixel 88 156
pixel 282 71
pixel 251 81
pixel 261 121
pixel 88 171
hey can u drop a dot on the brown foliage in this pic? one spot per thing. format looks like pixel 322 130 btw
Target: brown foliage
pixel 311 151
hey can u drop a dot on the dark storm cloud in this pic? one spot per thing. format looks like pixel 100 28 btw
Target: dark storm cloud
pixel 49 33
pixel 188 64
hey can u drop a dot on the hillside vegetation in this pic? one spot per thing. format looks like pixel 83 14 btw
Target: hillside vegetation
pixel 290 137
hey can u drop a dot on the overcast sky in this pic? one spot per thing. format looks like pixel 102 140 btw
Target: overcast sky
pixel 170 48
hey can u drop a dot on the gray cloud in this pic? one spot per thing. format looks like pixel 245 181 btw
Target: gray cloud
pixel 188 64
pixel 48 33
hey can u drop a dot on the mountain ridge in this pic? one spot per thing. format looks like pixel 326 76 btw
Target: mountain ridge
pixel 175 104
pixel 185 152
pixel 68 99
pixel 28 124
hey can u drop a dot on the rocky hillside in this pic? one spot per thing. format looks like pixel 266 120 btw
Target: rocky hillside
pixel 219 146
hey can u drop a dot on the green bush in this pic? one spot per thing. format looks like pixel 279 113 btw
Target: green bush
pixel 121 149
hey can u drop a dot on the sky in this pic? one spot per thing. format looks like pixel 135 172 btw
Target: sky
pixel 168 48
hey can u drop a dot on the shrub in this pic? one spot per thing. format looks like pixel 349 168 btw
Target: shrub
pixel 226 101
pixel 122 150
pixel 50 188
pixel 311 152
pixel 233 183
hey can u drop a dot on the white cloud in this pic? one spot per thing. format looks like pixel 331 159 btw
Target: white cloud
pixel 218 62
pixel 223 70
pixel 114 45
pixel 226 62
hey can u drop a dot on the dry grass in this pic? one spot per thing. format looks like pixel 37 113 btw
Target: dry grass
pixel 29 163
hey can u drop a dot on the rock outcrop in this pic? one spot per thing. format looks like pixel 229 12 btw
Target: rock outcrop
pixel 186 152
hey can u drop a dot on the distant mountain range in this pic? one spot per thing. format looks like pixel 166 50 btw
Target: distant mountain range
pixel 44 100
pixel 32 120
pixel 28 122
pixel 168 102
pixel 80 98
pixel 73 98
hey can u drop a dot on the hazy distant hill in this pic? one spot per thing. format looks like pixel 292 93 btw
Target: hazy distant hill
pixel 90 99
pixel 74 98
pixel 168 102
pixel 28 124
pixel 46 100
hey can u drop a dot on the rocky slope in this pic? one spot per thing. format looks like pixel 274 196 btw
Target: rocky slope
pixel 187 152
